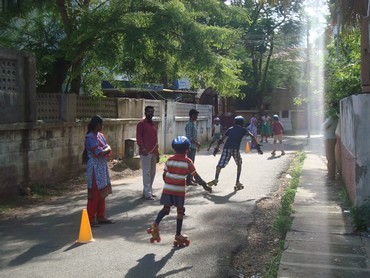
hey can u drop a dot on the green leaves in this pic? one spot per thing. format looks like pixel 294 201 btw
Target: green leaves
pixel 146 40
pixel 343 69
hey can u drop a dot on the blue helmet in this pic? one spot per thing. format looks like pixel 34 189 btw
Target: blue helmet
pixel 180 143
pixel 239 120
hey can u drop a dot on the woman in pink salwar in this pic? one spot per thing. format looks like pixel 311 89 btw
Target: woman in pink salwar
pixel 98 181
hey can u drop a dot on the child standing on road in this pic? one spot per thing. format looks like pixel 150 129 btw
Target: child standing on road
pixel 266 127
pixel 216 132
pixel 277 131
pixel 175 172
pixel 233 137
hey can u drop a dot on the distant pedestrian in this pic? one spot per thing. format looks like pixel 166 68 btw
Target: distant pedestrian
pixel 252 127
pixel 147 140
pixel 266 127
pixel 216 132
pixel 277 131
pixel 329 127
pixel 98 181
pixel 192 134
pixel 233 138
pixel 175 172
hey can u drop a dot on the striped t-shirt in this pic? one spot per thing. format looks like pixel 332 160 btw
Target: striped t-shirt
pixel 176 169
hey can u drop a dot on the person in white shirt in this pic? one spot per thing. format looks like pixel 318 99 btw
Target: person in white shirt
pixel 216 132
pixel 329 127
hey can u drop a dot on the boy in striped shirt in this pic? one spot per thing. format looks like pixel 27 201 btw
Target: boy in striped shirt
pixel 176 169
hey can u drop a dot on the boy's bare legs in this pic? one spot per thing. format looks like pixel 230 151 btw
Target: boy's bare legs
pixel 281 147
pixel 180 217
pixel 238 172
pixel 218 171
pixel 274 147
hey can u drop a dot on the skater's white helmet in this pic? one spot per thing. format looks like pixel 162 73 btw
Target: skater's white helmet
pixel 239 120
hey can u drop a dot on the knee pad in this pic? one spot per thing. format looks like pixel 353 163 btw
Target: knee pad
pixel 180 213
pixel 166 210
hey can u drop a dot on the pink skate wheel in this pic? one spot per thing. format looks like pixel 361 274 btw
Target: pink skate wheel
pixel 159 239
pixel 187 243
pixel 149 231
pixel 152 240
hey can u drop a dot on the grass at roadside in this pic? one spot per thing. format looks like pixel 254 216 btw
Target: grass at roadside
pixel 283 220
pixel 163 158
pixel 360 215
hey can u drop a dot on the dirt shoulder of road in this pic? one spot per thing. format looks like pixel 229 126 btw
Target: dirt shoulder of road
pixel 262 242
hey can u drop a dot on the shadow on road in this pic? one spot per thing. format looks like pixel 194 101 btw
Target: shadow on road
pixel 51 228
pixel 148 267
pixel 224 199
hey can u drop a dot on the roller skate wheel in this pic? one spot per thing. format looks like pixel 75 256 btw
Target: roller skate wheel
pixel 149 231
pixel 151 240
pixel 187 243
pixel 175 243
pixel 159 239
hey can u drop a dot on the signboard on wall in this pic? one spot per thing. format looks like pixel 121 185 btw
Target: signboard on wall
pixel 182 83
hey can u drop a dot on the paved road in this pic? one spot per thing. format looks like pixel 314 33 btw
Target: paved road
pixel 40 242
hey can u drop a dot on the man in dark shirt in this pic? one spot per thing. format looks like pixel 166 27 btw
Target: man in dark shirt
pixel 146 138
pixel 233 137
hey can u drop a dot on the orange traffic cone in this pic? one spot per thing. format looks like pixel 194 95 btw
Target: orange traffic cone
pixel 85 235
pixel 247 148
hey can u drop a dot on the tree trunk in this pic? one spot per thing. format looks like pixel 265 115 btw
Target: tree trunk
pixel 56 77
pixel 76 77
pixel 264 76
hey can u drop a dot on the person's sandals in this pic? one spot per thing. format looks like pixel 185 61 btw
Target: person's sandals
pixel 94 224
pixel 105 221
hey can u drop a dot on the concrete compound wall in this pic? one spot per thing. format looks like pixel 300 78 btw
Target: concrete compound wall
pixel 355 146
pixel 45 152
pixel 177 117
pixel 17 86
pixel 49 152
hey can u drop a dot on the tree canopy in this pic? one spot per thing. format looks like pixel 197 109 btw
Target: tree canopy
pixel 270 41
pixel 343 67
pixel 245 48
pixel 80 42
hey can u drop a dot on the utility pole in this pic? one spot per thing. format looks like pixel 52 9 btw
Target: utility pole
pixel 308 80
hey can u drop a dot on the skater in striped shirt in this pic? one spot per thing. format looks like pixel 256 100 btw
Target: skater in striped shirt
pixel 176 169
